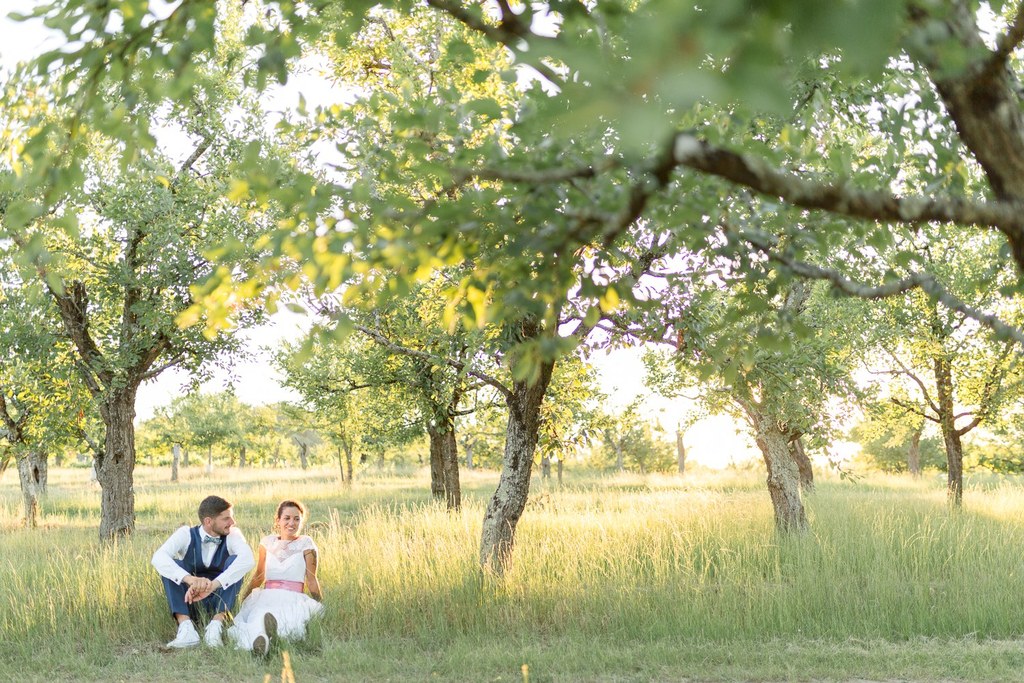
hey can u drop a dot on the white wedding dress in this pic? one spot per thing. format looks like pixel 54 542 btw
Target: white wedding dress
pixel 292 609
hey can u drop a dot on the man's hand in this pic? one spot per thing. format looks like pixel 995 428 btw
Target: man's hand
pixel 198 588
pixel 199 592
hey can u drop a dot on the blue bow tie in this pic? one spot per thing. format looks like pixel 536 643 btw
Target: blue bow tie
pixel 213 539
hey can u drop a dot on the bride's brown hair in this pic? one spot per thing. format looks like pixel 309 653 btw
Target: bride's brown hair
pixel 290 504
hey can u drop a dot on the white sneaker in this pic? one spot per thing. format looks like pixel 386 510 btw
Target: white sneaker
pixel 187 636
pixel 214 636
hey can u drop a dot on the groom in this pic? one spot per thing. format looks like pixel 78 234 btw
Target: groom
pixel 203 566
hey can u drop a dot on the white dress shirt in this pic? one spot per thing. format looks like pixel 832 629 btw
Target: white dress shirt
pixel 177 545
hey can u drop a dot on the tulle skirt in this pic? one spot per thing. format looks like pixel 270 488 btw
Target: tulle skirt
pixel 292 610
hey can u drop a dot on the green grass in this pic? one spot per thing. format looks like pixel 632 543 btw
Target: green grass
pixel 615 579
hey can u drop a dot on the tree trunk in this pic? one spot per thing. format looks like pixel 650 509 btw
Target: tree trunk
pixel 545 467
pixel 436 463
pixel 209 459
pixel 469 454
pixel 506 505
pixel 115 472
pixel 803 464
pixel 341 465
pixel 559 472
pixel 175 457
pixel 241 456
pixel 680 452
pixel 304 456
pixel 450 469
pixel 914 454
pixel 348 463
pixel 950 436
pixel 32 468
pixel 783 474
pixel 184 462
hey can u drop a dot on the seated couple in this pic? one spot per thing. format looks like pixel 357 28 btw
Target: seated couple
pixel 203 567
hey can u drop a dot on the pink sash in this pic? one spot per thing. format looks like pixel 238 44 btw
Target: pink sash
pixel 285 585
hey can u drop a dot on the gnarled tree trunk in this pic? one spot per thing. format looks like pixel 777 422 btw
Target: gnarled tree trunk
pixel 950 435
pixel 436 465
pixel 444 464
pixel 32 470
pixel 803 464
pixel 506 505
pixel 115 471
pixel 783 474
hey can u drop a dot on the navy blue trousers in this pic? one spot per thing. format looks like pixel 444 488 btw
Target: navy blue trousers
pixel 221 600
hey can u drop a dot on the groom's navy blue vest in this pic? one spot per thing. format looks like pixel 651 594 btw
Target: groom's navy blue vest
pixel 193 560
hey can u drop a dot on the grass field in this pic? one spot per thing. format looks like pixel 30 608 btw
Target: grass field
pixel 618 578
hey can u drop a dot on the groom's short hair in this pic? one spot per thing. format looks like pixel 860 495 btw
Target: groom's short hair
pixel 212 506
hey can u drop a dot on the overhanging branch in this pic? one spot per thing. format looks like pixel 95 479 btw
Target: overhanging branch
pixel 378 337
pixel 923 281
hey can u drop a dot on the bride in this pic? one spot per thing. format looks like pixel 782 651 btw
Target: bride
pixel 286 565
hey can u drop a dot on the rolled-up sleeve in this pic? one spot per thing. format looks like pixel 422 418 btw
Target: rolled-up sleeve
pixel 244 559
pixel 173 548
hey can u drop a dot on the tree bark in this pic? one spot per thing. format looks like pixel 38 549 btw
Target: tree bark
pixel 32 470
pixel 241 456
pixel 783 474
pixel 450 469
pixel 506 505
pixel 914 454
pixel 436 464
pixel 803 464
pixel 680 452
pixel 950 435
pixel 209 459
pixel 469 454
pixel 304 456
pixel 444 464
pixel 559 468
pixel 175 457
pixel 545 467
pixel 348 463
pixel 184 460
pixel 115 471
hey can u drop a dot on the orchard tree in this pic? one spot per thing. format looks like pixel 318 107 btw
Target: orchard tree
pixel 42 401
pixel 939 364
pixel 637 133
pixel 119 256
pixel 773 368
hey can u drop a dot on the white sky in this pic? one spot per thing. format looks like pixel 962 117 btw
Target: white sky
pixel 713 441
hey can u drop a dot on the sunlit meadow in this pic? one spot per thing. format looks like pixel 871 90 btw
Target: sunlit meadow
pixel 615 578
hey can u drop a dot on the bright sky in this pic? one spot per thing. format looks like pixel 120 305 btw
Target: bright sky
pixel 714 442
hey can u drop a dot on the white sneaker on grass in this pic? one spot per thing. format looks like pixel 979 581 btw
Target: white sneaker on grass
pixel 214 636
pixel 187 636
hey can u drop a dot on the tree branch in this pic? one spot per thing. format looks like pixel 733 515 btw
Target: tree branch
pixel 844 199
pixel 923 281
pixel 437 360
pixel 917 380
pixel 910 408
pixel 509 32
pixel 1007 42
